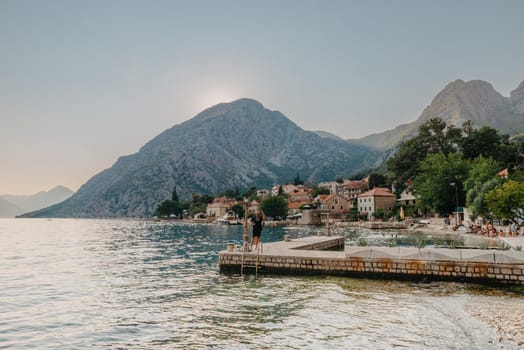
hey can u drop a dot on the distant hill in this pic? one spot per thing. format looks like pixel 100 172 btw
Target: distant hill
pixel 8 209
pixel 15 205
pixel 231 144
pixel 458 102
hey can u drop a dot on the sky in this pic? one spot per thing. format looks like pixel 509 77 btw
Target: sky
pixel 85 82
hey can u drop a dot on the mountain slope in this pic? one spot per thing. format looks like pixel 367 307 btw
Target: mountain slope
pixel 24 204
pixel 8 209
pixel 458 102
pixel 231 144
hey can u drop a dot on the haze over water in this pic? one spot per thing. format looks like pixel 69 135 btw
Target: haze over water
pixel 74 284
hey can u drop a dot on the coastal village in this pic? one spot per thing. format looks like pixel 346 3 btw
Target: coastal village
pixel 345 201
pixel 468 180
pixel 338 201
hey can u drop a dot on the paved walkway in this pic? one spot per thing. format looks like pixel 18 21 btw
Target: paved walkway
pixel 303 247
pixel 311 247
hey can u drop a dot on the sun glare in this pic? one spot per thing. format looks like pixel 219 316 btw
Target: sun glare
pixel 211 97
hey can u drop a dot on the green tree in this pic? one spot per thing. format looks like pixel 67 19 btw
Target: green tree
pixel 489 143
pixel 319 190
pixel 507 201
pixel 251 194
pixel 476 198
pixel 434 137
pixel 229 193
pixel 206 198
pixel 438 136
pixel 482 170
pixel 238 209
pixel 280 190
pixel 297 181
pixel 405 163
pixel 440 183
pixel 174 195
pixel 167 208
pixel 481 179
pixel 377 180
pixel 195 208
pixel 274 206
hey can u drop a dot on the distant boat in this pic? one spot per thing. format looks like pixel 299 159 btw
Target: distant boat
pixel 229 219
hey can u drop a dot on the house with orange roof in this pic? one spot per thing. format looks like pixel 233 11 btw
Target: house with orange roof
pixel 378 198
pixel 300 195
pixel 335 204
pixel 503 173
pixel 321 197
pixel 352 189
pixel 219 207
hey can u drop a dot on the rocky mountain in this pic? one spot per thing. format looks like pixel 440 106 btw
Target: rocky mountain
pixel 458 102
pixel 13 205
pixel 231 144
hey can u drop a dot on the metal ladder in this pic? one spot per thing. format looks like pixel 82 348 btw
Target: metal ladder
pixel 260 250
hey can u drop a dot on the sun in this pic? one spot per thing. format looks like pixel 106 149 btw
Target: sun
pixel 211 97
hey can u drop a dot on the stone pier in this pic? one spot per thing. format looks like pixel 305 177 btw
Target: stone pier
pixel 328 256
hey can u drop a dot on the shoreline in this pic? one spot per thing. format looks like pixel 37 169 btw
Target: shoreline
pixel 505 320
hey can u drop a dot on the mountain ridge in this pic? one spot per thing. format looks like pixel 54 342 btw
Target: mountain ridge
pixel 243 144
pixel 236 144
pixel 20 204
pixel 457 102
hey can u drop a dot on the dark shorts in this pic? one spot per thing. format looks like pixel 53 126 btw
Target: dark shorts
pixel 257 232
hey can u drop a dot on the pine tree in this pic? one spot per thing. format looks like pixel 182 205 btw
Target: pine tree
pixel 174 196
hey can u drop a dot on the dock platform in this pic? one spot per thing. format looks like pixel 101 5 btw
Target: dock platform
pixel 328 255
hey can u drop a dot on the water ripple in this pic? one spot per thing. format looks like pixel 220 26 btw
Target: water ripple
pixel 73 284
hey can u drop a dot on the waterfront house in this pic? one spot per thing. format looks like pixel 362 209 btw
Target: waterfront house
pixel 352 189
pixel 219 207
pixel 378 198
pixel 406 198
pixel 300 195
pixel 335 204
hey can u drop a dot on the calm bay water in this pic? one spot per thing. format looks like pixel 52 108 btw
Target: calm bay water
pixel 76 284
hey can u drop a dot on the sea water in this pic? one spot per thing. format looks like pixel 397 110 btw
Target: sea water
pixel 129 284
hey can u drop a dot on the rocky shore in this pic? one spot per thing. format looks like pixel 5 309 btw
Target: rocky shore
pixel 506 319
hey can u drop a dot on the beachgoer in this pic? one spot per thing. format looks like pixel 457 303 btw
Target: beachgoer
pixel 257 222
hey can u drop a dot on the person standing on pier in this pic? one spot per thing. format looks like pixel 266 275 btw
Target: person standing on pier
pixel 257 222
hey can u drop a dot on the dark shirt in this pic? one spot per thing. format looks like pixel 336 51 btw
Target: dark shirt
pixel 257 223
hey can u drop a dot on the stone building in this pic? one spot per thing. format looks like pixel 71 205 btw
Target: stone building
pixel 378 198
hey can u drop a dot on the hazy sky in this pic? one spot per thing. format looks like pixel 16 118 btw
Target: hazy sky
pixel 84 82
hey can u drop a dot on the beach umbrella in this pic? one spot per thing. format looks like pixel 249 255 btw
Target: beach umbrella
pixel 401 213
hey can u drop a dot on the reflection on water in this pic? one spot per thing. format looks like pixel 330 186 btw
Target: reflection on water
pixel 142 285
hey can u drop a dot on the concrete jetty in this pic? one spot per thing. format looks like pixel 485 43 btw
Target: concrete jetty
pixel 321 255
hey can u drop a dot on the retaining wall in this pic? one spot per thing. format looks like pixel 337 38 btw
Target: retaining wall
pixel 504 270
